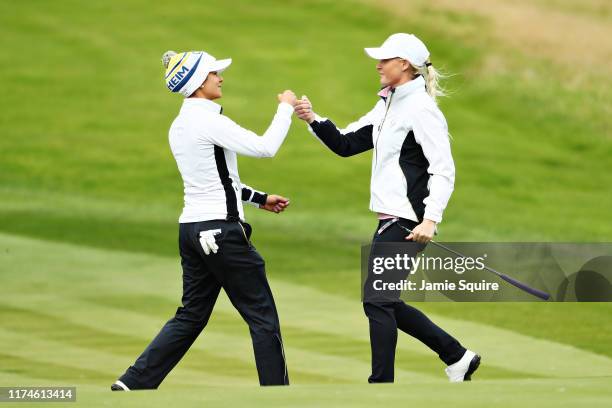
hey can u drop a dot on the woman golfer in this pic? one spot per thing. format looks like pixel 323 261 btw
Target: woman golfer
pixel 412 179
pixel 213 238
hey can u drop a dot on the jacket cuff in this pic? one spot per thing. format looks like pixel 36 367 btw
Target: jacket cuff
pixel 430 215
pixel 259 198
pixel 285 109
pixel 253 197
pixel 317 119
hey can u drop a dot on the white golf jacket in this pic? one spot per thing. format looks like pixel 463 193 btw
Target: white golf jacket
pixel 413 172
pixel 204 144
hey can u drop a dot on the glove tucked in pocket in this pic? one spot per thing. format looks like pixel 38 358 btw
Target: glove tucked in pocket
pixel 207 241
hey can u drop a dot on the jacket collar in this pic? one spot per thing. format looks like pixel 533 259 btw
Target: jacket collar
pixel 204 103
pixel 410 87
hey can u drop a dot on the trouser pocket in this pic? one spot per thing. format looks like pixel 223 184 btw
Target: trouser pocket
pixel 246 232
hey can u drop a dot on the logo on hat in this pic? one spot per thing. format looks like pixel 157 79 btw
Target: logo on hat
pixel 183 70
pixel 188 70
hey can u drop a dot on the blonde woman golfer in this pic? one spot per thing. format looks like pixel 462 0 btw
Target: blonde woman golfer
pixel 412 180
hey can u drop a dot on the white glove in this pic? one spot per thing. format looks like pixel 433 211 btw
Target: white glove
pixel 207 240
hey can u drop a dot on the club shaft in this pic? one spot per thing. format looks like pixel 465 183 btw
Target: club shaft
pixel 514 282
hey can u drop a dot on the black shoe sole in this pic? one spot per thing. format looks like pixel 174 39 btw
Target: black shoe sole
pixel 474 364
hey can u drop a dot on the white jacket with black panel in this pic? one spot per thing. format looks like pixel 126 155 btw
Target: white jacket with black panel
pixel 413 172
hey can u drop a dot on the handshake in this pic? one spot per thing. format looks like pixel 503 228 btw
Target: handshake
pixel 302 107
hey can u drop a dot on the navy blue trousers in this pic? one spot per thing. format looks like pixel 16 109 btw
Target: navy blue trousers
pixel 386 316
pixel 238 268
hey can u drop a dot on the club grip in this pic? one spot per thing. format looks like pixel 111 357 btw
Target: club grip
pixel 522 286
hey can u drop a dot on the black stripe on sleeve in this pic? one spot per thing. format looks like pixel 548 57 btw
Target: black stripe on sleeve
pixel 259 198
pixel 246 194
pixel 253 196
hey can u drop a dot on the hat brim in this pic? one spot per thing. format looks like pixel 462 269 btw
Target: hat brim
pixel 220 65
pixel 380 53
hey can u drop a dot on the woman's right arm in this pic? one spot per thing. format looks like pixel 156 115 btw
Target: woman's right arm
pixel 226 133
pixel 354 139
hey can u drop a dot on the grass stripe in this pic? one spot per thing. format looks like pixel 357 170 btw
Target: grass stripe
pixel 319 340
pixel 108 364
pixel 304 365
pixel 33 368
pixel 69 334
pixel 311 309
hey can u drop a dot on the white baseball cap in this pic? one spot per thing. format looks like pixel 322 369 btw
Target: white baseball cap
pixel 406 46
pixel 186 71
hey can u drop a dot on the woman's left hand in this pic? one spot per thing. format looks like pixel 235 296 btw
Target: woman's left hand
pixel 275 203
pixel 423 233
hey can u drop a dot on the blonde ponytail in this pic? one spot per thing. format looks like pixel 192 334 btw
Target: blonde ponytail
pixel 432 77
pixel 432 82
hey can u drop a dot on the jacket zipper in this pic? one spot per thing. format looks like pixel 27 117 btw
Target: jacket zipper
pixel 379 130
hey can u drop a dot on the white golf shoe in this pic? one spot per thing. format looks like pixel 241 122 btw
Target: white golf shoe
pixel 463 369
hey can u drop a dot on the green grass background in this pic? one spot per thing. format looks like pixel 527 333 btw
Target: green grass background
pixel 90 196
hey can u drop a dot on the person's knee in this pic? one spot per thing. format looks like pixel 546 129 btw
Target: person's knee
pixel 381 317
pixel 261 317
pixel 264 329
pixel 191 318
pixel 377 308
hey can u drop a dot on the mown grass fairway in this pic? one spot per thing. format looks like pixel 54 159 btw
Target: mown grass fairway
pixel 90 195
